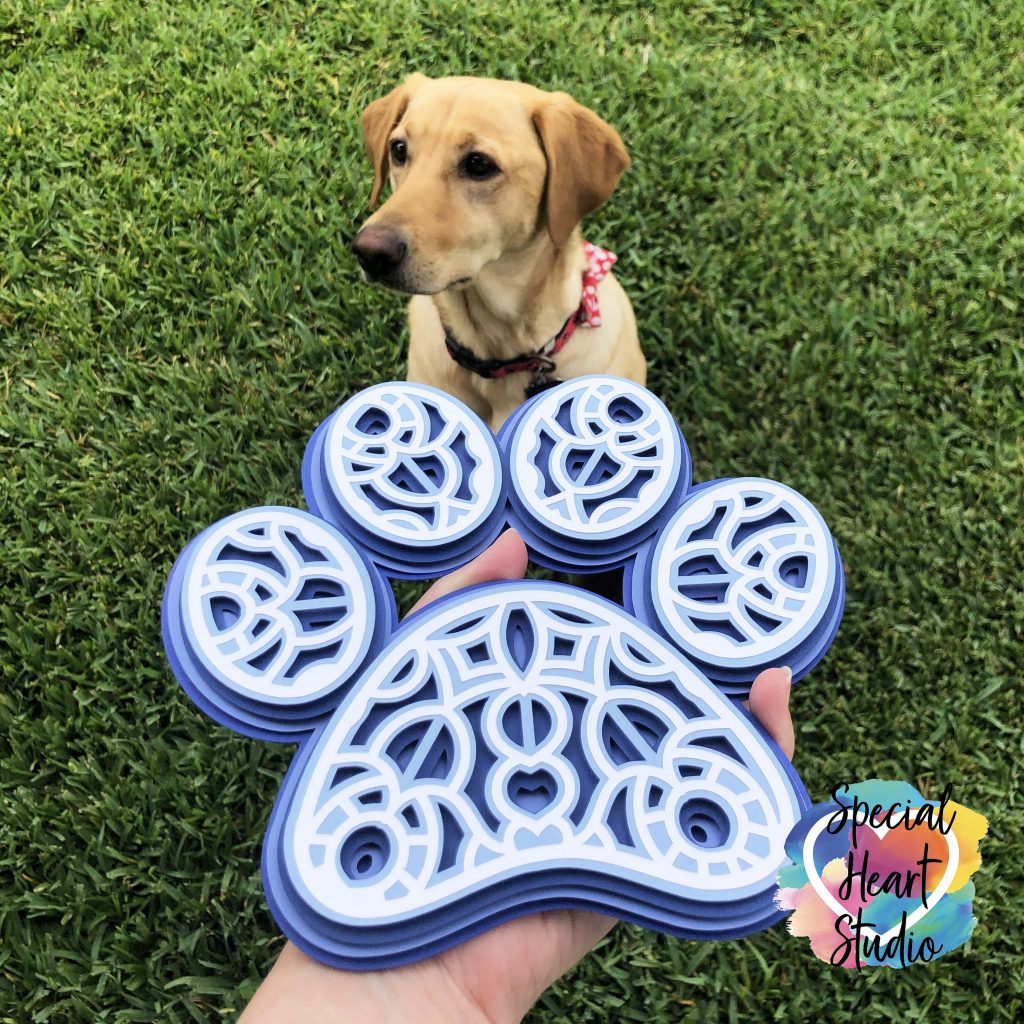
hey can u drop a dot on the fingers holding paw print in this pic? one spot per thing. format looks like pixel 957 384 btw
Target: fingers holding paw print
pixel 522 744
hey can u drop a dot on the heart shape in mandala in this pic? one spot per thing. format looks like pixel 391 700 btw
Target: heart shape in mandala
pixel 522 745
pixel 880 832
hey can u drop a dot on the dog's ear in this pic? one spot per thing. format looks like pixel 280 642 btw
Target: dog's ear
pixel 379 118
pixel 585 159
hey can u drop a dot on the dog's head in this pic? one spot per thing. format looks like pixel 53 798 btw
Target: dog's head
pixel 477 168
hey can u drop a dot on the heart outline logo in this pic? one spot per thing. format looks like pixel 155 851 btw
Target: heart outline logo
pixel 929 901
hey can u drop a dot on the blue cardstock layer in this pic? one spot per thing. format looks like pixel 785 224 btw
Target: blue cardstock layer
pixel 522 745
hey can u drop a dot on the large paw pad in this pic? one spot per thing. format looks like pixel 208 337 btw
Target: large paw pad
pixel 520 745
pixel 523 745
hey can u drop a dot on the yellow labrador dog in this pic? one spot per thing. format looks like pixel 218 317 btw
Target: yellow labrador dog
pixel 490 181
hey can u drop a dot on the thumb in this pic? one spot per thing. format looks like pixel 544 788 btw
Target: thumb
pixel 769 704
pixel 505 559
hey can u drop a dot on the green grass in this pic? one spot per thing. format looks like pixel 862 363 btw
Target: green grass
pixel 822 238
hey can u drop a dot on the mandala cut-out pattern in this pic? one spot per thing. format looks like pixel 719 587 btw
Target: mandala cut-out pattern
pixel 519 745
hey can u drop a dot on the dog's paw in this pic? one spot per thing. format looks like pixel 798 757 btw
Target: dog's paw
pixel 515 746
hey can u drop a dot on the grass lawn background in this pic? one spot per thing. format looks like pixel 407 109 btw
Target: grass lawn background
pixel 822 238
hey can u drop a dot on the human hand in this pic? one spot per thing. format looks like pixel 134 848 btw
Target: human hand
pixel 495 977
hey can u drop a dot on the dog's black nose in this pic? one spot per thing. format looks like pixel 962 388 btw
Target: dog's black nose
pixel 380 250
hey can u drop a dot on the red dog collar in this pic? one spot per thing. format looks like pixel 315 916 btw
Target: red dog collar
pixel 541 361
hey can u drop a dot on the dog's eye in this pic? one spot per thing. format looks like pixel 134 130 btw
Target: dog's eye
pixel 399 152
pixel 478 166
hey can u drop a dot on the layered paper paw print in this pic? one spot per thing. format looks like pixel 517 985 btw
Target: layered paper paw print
pixel 520 745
